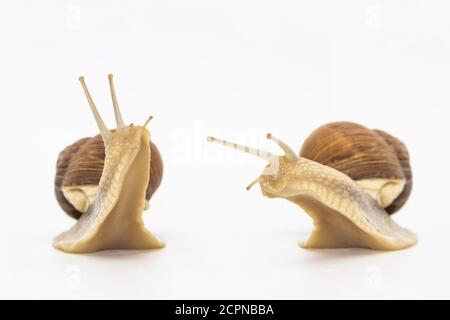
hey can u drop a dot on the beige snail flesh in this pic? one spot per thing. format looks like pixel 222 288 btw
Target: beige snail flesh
pixel 79 169
pixel 344 215
pixel 114 220
pixel 378 162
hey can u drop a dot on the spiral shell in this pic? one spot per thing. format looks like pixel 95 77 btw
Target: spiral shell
pixel 378 162
pixel 80 166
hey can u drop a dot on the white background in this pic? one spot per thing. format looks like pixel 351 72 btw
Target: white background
pixel 236 70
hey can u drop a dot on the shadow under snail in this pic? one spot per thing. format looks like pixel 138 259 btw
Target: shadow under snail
pixel 106 182
pixel 349 179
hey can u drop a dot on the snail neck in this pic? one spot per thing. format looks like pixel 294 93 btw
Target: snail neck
pixel 343 213
pixel 115 218
pixel 126 216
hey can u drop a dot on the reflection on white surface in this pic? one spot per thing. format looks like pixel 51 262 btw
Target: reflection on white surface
pixel 235 69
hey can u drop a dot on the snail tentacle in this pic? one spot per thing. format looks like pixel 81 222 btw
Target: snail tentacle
pixel 104 131
pixel 113 218
pixel 119 120
pixel 344 213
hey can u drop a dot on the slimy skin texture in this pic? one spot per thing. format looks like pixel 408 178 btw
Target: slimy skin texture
pixel 114 221
pixel 78 171
pixel 374 159
pixel 344 215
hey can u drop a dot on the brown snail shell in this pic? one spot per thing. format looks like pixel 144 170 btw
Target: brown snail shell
pixel 81 164
pixel 346 212
pixel 378 162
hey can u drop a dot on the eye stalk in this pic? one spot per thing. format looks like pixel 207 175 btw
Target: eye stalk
pixel 266 155
pixel 105 182
pixel 288 152
pixel 274 160
pixel 106 134
pixel 119 121
pixel 345 214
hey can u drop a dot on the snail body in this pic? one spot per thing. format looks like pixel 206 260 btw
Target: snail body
pixel 376 161
pixel 79 169
pixel 107 187
pixel 346 212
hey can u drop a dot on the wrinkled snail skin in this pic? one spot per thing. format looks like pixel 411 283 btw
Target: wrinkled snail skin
pixel 378 162
pixel 344 215
pixel 79 169
pixel 114 219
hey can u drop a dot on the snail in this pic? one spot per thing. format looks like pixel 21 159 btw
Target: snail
pixel 348 179
pixel 105 182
